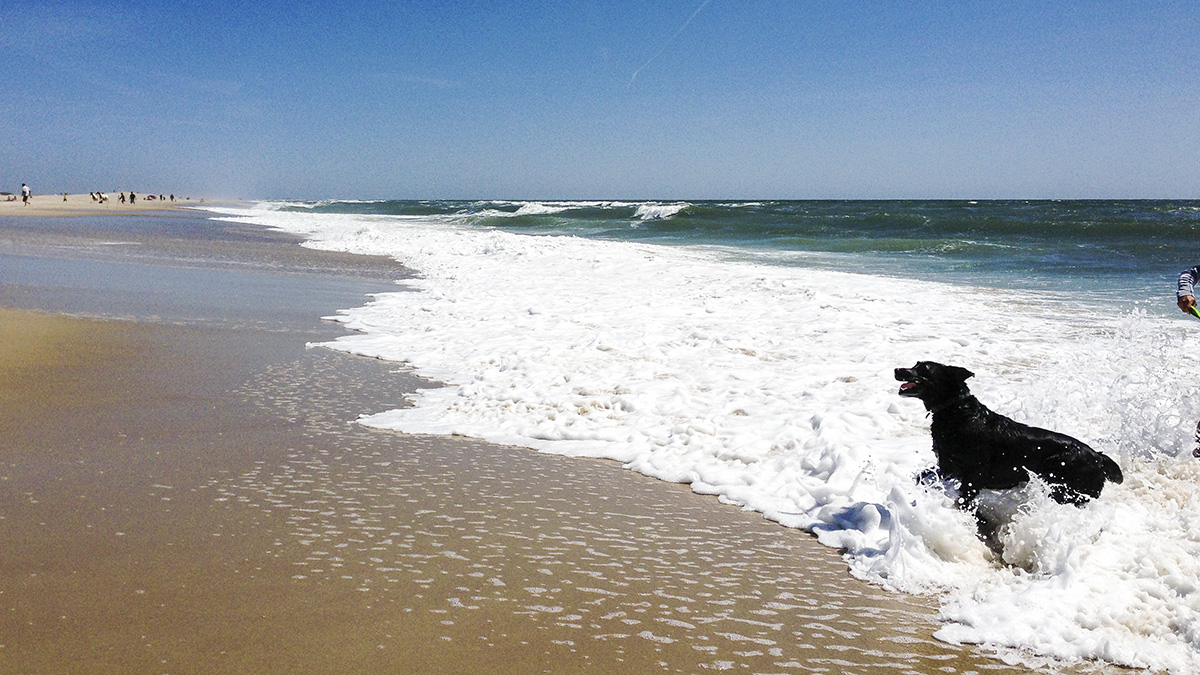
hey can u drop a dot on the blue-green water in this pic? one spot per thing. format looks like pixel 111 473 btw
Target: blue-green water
pixel 1124 250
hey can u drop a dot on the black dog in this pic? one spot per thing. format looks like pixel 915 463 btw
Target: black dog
pixel 982 450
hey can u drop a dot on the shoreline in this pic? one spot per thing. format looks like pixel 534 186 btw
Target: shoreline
pixel 188 493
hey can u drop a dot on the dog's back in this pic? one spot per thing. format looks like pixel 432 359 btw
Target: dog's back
pixel 984 450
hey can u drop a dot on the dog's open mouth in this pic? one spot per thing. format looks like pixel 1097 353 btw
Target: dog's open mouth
pixel 909 381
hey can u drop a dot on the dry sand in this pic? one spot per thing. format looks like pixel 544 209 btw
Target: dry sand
pixel 190 496
pixel 61 205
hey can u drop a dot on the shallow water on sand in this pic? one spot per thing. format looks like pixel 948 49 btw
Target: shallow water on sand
pixel 478 553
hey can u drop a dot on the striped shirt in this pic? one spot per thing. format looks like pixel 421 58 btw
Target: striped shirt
pixel 1188 279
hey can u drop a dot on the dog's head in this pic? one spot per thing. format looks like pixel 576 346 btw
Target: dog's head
pixel 933 383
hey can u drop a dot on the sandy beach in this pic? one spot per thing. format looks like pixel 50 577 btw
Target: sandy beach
pixel 185 491
pixel 66 205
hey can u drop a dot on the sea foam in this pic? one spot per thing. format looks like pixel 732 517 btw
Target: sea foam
pixel 772 388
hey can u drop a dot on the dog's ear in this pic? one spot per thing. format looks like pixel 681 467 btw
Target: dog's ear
pixel 959 374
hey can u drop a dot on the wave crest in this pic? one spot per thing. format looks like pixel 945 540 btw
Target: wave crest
pixel 657 211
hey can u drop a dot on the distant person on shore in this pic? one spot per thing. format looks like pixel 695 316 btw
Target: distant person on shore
pixel 26 194
pixel 122 198
pixel 132 197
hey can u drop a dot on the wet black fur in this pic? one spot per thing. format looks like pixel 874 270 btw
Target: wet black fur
pixel 982 450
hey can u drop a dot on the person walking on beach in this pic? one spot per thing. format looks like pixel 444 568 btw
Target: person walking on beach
pixel 26 193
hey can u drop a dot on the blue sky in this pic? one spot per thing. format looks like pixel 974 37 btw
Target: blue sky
pixel 536 100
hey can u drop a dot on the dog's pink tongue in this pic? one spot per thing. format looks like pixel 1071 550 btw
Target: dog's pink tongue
pixel 907 385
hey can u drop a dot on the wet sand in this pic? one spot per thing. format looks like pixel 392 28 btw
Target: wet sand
pixel 185 492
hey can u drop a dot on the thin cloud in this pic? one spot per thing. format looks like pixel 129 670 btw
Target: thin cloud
pixel 668 42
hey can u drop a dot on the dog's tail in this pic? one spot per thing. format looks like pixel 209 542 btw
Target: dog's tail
pixel 1112 471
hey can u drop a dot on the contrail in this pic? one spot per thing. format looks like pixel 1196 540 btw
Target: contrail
pixel 668 42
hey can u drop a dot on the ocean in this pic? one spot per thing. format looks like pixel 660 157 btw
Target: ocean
pixel 747 349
